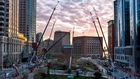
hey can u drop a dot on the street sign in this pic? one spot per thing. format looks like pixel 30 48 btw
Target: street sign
pixel 68 47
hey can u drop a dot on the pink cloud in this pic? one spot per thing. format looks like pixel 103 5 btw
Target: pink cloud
pixel 76 14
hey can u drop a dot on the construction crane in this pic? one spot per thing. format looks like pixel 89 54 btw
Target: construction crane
pixel 31 64
pixel 110 58
pixel 98 35
pixel 44 49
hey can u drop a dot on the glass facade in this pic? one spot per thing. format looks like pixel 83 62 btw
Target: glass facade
pixel 138 24
pixel 115 25
pixel 123 23
pixel 135 30
pixel 27 19
pixel 132 20
pixel 31 19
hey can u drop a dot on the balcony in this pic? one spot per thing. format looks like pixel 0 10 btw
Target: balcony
pixel 1 32
pixel 1 1
pixel 1 6
pixel 1 21
pixel 2 26
pixel 1 16
pixel 1 11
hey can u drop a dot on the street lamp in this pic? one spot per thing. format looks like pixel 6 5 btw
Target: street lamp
pixel 5 73
pixel 69 69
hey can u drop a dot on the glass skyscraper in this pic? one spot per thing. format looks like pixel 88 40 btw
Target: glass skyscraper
pixel 27 19
pixel 135 32
pixel 127 22
pixel 122 32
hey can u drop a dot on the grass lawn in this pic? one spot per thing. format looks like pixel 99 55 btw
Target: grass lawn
pixel 65 77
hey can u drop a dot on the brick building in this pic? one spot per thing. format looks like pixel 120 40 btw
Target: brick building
pixel 87 46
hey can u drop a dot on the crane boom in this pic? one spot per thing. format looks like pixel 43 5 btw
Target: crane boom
pixel 104 38
pixel 51 33
pixel 34 51
pixel 98 34
pixel 55 43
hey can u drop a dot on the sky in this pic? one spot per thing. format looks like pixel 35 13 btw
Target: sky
pixel 74 13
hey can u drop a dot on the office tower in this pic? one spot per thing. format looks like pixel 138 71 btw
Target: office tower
pixel 46 44
pixel 38 37
pixel 64 41
pixel 27 19
pixel 88 46
pixel 10 45
pixel 135 35
pixel 127 50
pixel 115 24
pixel 111 38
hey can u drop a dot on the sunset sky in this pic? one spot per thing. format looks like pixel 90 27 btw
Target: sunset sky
pixel 74 13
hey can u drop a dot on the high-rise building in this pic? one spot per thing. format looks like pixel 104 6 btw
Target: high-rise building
pixel 135 34
pixel 115 24
pixel 10 45
pixel 46 44
pixel 64 41
pixel 88 46
pixel 38 37
pixel 127 52
pixel 122 34
pixel 111 38
pixel 27 19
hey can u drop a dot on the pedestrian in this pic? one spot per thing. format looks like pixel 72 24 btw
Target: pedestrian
pixel 126 77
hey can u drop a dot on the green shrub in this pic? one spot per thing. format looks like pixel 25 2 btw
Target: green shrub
pixel 97 75
pixel 40 76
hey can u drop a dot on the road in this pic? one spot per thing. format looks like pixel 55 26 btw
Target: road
pixel 118 74
pixel 11 71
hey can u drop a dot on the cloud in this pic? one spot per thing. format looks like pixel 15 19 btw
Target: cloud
pixel 74 13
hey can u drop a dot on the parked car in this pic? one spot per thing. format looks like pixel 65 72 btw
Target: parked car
pixel 79 71
pixel 109 73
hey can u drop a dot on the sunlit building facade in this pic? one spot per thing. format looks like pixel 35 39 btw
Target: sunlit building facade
pixel 111 38
pixel 10 45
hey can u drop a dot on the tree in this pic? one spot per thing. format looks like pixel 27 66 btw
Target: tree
pixel 97 75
